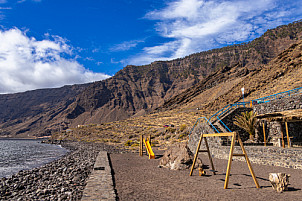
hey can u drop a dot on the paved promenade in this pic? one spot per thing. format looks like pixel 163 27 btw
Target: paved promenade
pixel 100 183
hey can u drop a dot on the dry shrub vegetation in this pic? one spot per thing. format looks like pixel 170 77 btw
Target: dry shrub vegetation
pixel 127 132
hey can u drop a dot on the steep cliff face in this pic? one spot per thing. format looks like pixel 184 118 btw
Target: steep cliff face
pixel 282 73
pixel 136 90
pixel 30 112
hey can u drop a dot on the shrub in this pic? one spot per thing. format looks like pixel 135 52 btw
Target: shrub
pixel 182 127
pixel 170 130
pixel 128 143
pixel 247 121
pixel 135 144
pixel 183 135
pixel 115 141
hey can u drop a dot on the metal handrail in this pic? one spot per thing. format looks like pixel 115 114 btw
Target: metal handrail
pixel 224 125
pixel 227 108
pixel 208 123
pixel 265 99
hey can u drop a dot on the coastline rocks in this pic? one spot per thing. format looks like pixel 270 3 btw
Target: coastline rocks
pixel 62 179
pixel 178 157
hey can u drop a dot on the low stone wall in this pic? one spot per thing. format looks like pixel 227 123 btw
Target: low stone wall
pixel 274 156
pixel 279 105
pixel 100 183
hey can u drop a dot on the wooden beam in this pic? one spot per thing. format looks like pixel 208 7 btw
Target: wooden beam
pixel 248 163
pixel 210 157
pixel 282 136
pixel 287 135
pixel 263 126
pixel 218 134
pixel 141 145
pixel 226 183
pixel 196 154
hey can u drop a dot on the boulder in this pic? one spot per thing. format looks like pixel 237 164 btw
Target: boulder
pixel 179 157
pixel 279 181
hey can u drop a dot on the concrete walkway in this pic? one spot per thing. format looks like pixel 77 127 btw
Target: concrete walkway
pixel 100 183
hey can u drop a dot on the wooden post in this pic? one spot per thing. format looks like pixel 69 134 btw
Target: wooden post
pixel 282 138
pixel 150 139
pixel 195 157
pixel 248 162
pixel 141 145
pixel 227 176
pixel 210 157
pixel 287 135
pixel 263 126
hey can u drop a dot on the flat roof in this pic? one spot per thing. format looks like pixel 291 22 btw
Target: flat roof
pixel 288 115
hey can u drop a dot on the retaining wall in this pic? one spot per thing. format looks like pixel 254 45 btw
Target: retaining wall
pixel 274 156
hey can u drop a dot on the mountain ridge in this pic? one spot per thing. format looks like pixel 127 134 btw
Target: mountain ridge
pixel 138 90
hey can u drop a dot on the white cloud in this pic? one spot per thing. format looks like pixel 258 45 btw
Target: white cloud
pixel 127 45
pixel 27 64
pixel 113 61
pixel 197 25
pixel 21 1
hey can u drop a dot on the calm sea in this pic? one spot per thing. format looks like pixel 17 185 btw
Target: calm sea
pixel 16 155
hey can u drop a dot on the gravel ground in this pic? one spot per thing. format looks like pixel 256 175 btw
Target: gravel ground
pixel 138 178
pixel 62 179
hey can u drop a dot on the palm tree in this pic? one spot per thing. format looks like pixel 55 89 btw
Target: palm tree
pixel 247 121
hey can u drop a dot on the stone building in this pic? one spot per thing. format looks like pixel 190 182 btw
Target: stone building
pixel 281 120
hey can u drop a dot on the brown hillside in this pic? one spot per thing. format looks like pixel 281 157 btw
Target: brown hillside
pixel 138 90
pixel 283 73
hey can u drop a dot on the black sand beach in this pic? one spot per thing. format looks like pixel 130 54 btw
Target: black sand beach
pixel 138 178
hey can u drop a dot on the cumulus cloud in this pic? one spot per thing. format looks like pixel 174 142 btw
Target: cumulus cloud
pixel 197 25
pixel 26 63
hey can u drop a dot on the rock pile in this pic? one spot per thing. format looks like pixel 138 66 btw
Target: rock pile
pixel 178 157
pixel 63 179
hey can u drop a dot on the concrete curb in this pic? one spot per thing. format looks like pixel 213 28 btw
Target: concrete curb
pixel 100 183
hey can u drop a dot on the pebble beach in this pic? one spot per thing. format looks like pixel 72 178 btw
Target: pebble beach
pixel 62 179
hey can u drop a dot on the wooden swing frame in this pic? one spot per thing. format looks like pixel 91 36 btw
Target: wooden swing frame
pixel 231 154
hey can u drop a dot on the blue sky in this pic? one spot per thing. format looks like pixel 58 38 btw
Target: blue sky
pixel 51 43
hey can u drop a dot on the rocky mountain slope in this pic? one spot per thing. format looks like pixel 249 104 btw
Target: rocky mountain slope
pixel 282 73
pixel 137 90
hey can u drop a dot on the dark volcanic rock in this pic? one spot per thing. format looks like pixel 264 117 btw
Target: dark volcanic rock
pixel 63 179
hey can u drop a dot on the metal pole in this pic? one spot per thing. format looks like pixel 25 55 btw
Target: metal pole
pixel 242 90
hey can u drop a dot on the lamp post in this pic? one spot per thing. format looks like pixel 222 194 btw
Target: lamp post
pixel 242 90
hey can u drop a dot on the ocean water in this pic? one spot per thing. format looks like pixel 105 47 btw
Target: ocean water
pixel 16 155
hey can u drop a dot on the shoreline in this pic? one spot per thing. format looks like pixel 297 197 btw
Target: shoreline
pixel 36 138
pixel 61 179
